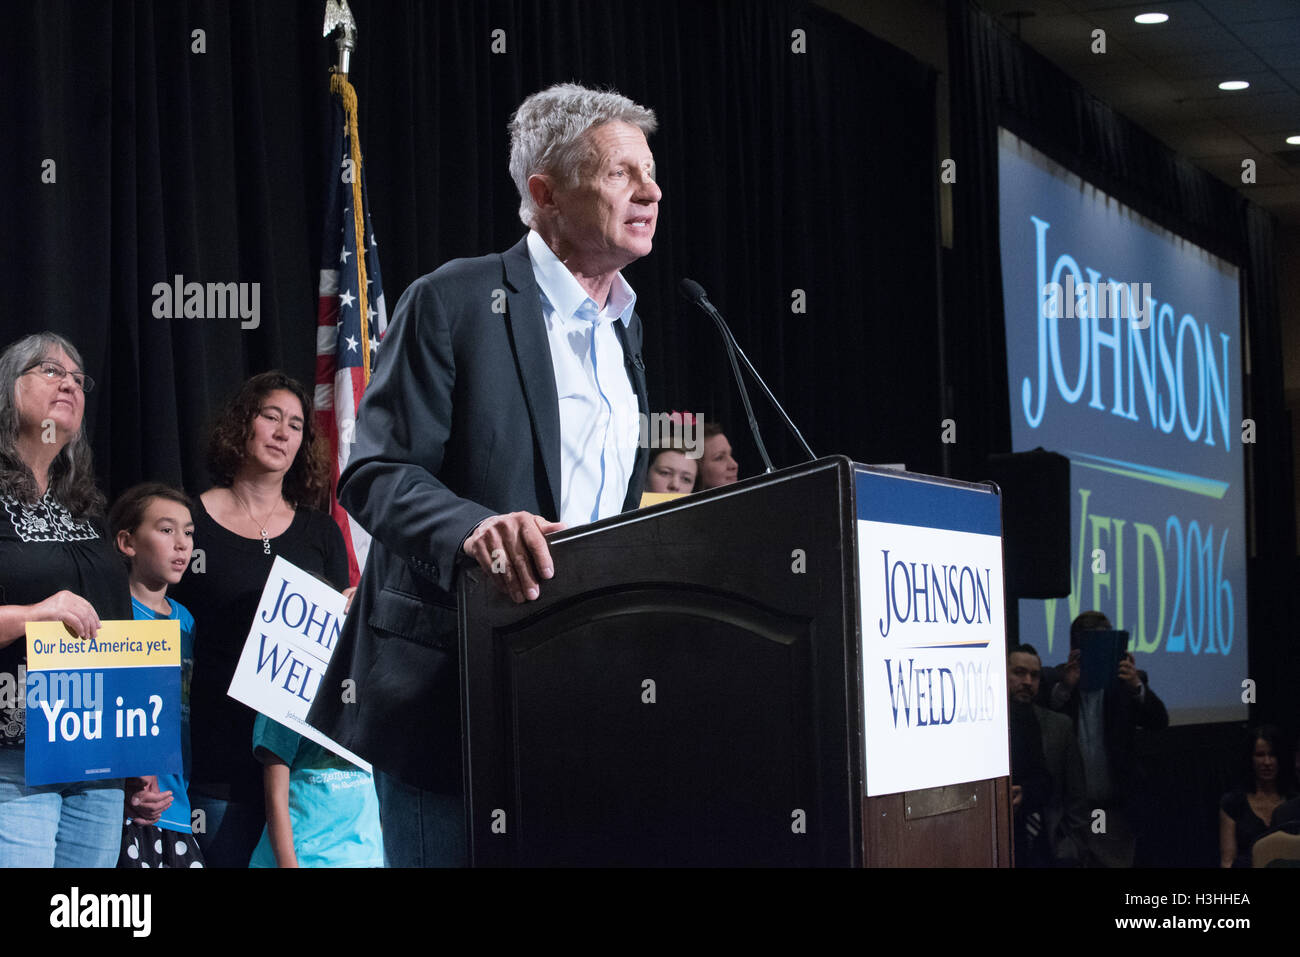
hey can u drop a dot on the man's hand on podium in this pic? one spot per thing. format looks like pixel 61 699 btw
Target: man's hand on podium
pixel 511 550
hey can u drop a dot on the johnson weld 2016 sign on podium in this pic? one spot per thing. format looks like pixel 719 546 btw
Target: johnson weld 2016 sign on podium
pixel 933 647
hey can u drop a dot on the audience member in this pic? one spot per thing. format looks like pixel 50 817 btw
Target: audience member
pixel 1051 816
pixel 270 477
pixel 1246 813
pixel 672 470
pixel 717 467
pixel 151 525
pixel 321 810
pixel 1106 721
pixel 56 564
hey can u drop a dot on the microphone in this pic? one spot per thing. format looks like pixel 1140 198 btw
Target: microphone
pixel 694 292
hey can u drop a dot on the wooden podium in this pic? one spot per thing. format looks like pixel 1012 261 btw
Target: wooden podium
pixel 688 690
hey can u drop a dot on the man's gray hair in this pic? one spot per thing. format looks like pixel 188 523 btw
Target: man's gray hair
pixel 548 134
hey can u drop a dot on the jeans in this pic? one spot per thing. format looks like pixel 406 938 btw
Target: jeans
pixel 227 831
pixel 57 825
pixel 421 828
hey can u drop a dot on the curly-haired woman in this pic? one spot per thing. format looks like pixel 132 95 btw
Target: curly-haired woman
pixel 56 564
pixel 271 477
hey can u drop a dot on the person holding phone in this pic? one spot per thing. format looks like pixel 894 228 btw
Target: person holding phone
pixel 1106 717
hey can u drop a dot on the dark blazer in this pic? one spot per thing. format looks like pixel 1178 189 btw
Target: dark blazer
pixel 460 421
pixel 1123 714
pixel 1066 815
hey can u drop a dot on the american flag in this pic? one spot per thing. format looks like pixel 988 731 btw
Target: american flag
pixel 350 313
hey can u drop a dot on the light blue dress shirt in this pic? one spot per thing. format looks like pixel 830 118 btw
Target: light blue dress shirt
pixel 599 417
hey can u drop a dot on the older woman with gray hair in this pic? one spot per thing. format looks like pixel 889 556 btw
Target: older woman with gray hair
pixel 56 564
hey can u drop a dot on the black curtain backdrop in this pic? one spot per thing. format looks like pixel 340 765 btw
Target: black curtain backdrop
pixel 997 80
pixel 781 171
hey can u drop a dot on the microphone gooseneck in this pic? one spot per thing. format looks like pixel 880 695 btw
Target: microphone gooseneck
pixel 694 292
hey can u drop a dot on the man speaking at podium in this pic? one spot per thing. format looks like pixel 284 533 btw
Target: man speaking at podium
pixel 504 406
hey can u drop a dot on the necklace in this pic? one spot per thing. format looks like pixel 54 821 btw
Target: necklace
pixel 266 538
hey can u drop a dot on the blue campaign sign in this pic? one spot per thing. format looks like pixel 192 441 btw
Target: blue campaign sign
pixel 1124 353
pixel 102 708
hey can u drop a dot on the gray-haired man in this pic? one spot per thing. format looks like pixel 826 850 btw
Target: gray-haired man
pixel 504 405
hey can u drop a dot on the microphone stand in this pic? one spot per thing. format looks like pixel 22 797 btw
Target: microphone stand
pixel 695 293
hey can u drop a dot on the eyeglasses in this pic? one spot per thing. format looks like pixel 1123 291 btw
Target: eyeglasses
pixel 52 370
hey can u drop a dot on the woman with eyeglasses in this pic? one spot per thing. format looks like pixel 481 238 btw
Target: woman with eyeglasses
pixel 271 478
pixel 56 564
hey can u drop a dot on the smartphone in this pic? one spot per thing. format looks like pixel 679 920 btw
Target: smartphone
pixel 1100 653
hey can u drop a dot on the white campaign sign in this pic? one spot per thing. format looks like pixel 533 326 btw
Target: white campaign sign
pixel 933 656
pixel 294 634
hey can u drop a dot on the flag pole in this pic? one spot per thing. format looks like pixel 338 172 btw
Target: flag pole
pixel 350 311
pixel 339 20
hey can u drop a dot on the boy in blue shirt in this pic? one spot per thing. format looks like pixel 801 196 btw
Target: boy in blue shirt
pixel 152 527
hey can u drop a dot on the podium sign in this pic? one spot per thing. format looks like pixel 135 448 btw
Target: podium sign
pixel 933 652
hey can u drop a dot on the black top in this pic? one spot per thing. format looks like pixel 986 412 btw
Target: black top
pixel 1248 823
pixel 43 550
pixel 221 588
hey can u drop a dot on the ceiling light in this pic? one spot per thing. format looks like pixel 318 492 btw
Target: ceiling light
pixel 1294 140
pixel 1151 18
pixel 1233 85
